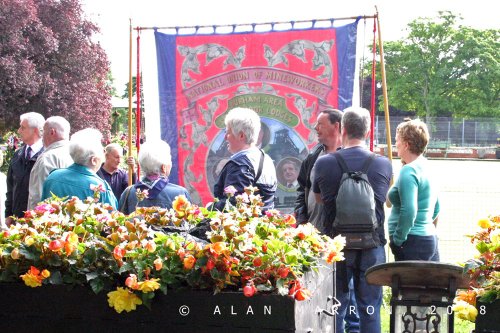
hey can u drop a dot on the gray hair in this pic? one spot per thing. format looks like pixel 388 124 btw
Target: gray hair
pixel 113 146
pixel 356 121
pixel 153 155
pixel 34 120
pixel 84 145
pixel 60 125
pixel 246 121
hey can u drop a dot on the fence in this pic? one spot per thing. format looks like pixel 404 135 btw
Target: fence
pixel 446 132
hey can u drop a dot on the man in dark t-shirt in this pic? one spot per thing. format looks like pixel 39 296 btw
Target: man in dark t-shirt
pixel 355 129
pixel 111 172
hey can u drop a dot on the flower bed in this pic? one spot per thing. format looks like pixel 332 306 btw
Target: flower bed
pixel 131 258
pixel 484 272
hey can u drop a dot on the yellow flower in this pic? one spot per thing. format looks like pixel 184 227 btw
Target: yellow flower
pixel 29 240
pixel 148 286
pixel 123 299
pixel 180 204
pixel 45 274
pixel 32 278
pixel 484 223
pixel 15 254
pixel 495 237
pixel 465 311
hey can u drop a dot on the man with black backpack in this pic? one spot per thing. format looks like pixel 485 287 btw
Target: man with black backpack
pixel 353 182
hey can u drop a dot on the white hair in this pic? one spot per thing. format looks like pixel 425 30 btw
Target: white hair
pixel 246 121
pixel 60 125
pixel 84 145
pixel 34 120
pixel 153 155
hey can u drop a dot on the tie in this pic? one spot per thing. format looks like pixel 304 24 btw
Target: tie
pixel 28 153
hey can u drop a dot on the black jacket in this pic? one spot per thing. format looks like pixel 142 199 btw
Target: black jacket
pixel 304 180
pixel 18 179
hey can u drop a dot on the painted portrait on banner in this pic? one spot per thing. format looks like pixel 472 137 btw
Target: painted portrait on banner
pixel 287 77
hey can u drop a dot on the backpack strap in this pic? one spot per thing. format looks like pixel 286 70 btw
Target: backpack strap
pixel 368 163
pixel 341 162
pixel 261 165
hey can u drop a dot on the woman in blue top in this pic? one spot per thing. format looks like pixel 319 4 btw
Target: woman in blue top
pixel 415 205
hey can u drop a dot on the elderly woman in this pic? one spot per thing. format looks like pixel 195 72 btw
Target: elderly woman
pixel 414 198
pixel 155 162
pixel 80 178
pixel 248 166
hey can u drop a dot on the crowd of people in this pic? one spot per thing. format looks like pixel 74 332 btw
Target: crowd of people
pixel 52 163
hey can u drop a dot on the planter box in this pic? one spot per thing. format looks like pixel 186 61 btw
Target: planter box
pixel 488 317
pixel 59 309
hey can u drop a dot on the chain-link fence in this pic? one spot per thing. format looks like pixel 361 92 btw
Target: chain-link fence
pixel 449 132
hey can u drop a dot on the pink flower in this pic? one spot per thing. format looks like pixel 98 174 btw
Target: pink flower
pixel 230 190
pixel 40 209
pixel 97 188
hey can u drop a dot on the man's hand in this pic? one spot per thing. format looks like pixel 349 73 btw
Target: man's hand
pixel 131 162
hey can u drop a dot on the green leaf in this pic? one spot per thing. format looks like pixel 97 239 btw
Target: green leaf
pixel 89 256
pixel 482 247
pixel 55 278
pixel 54 260
pixel 96 285
pixel 91 276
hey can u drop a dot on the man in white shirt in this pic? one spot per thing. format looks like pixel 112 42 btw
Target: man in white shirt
pixel 55 156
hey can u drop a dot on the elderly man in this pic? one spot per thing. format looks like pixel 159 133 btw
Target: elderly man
pixel 155 162
pixel 248 166
pixel 355 129
pixel 55 156
pixel 18 175
pixel 110 170
pixel 80 178
pixel 290 172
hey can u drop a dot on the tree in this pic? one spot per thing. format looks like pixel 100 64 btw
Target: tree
pixel 49 64
pixel 443 69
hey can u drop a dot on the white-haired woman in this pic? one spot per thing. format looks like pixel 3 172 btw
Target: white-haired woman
pixel 248 166
pixel 80 178
pixel 155 162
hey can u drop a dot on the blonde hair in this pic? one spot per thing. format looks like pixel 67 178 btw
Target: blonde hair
pixel 415 133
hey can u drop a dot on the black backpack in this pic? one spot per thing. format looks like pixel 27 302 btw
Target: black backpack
pixel 355 217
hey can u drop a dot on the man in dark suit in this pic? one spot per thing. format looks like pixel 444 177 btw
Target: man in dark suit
pixel 18 175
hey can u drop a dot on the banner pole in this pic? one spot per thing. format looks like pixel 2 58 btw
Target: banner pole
pixel 384 89
pixel 130 170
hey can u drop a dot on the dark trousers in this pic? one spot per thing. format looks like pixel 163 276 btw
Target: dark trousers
pixel 416 248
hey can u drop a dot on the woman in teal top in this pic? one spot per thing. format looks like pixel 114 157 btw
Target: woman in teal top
pixel 415 205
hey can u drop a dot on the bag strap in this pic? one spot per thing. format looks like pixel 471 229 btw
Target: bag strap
pixel 368 163
pixel 364 169
pixel 261 165
pixel 341 162
pixel 126 198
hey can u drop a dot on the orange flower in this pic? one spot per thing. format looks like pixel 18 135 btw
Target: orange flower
pixel 45 274
pixel 56 245
pixel 180 205
pixel 289 219
pixel 150 246
pixel 189 261
pixel 118 252
pixel 158 264
pixel 468 296
pixel 32 278
pixel 217 248
pixel 131 281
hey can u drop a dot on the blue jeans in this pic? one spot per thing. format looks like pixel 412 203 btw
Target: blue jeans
pixel 368 297
pixel 352 318
pixel 416 248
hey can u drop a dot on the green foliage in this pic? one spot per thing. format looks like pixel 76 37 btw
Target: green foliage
pixel 443 68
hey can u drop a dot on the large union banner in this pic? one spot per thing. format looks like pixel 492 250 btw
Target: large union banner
pixel 287 77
